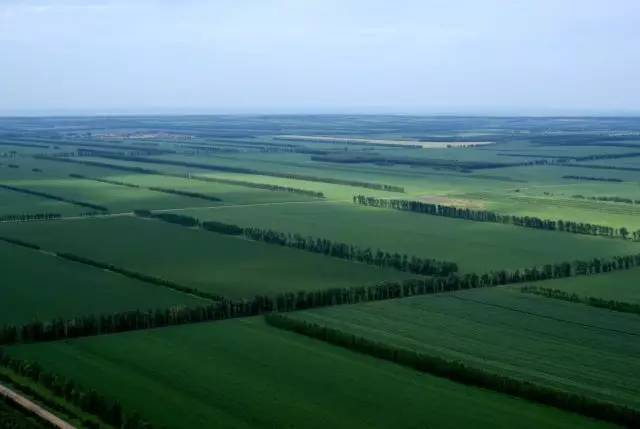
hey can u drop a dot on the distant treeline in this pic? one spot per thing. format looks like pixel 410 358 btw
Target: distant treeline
pixel 603 167
pixel 182 193
pixel 460 372
pixel 19 144
pixel 29 217
pixel 107 410
pixel 109 181
pixel 229 169
pixel 99 146
pixel 55 197
pixel 402 262
pixel 358 158
pixel 488 216
pixel 624 307
pixel 597 179
pixel 612 199
pixel 140 170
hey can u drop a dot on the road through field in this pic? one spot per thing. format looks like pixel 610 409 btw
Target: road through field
pixel 34 408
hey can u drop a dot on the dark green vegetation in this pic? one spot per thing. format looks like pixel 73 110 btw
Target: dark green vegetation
pixel 244 374
pixel 13 417
pixel 212 263
pixel 487 276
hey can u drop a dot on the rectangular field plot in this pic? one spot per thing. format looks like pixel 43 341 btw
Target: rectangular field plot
pixel 617 286
pixel 15 203
pixel 569 346
pixel 39 286
pixel 475 246
pixel 244 374
pixel 204 260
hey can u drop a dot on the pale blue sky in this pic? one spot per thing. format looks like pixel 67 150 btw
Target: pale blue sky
pixel 250 56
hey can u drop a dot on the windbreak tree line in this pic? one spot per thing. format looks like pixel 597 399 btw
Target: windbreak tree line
pixel 609 304
pixel 241 170
pixel 402 262
pixel 55 197
pixel 488 216
pixel 107 410
pixel 460 372
pixel 29 216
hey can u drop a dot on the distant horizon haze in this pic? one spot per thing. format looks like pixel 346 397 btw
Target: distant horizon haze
pixel 462 57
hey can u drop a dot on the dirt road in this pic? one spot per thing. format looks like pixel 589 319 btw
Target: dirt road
pixel 34 408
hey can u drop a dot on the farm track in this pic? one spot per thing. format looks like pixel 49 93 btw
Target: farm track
pixel 34 408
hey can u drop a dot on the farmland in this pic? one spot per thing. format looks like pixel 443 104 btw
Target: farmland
pixel 243 373
pixel 164 271
pixel 508 332
pixel 209 262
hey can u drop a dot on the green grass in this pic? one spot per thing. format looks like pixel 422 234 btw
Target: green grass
pixel 207 261
pixel 573 347
pixel 39 286
pixel 475 246
pixel 617 286
pixel 15 203
pixel 244 374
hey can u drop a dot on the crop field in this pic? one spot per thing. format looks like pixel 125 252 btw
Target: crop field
pixel 39 286
pixel 240 271
pixel 618 286
pixel 568 346
pixel 203 260
pixel 462 241
pixel 245 374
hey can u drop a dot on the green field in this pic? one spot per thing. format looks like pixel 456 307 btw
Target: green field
pixel 616 286
pixel 207 261
pixel 39 286
pixel 475 246
pixel 569 346
pixel 244 374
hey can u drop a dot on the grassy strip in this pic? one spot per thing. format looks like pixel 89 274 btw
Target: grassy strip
pixel 228 169
pixel 54 197
pixel 623 307
pixel 493 217
pixel 413 264
pixel 461 373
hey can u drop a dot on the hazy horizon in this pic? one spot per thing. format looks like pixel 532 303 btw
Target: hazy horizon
pixel 155 57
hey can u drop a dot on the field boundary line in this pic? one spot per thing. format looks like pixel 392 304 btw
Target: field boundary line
pixel 530 313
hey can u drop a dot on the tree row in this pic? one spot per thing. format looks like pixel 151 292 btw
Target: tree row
pixel 107 410
pixel 488 216
pixel 460 372
pixel 55 197
pixel 29 216
pixel 609 304
pixel 380 258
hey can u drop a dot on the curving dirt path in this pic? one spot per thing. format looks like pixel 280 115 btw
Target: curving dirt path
pixel 34 408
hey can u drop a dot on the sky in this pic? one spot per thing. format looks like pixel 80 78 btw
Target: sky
pixel 326 56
